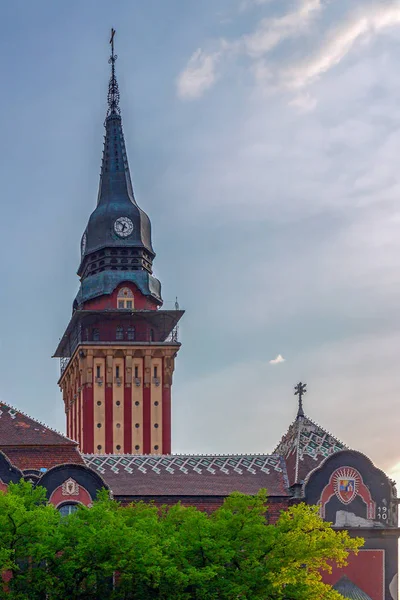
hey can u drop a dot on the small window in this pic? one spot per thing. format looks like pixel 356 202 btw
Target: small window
pixel 99 447
pixel 137 425
pixel 95 335
pixel 118 447
pixel 136 372
pixel 155 372
pixel 137 403
pixel 137 447
pixel 125 299
pixel 98 371
pixel 99 425
pixel 130 334
pixel 152 335
pixel 156 447
pixel 156 403
pixel 117 372
pixel 119 333
pixel 118 403
pixel 156 425
pixel 98 402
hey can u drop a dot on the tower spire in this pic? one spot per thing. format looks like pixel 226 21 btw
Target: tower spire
pixel 113 90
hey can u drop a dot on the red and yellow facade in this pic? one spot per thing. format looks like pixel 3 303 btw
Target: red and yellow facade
pixel 118 399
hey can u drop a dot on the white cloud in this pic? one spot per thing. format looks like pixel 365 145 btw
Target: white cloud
pixel 276 361
pixel 200 73
pixel 198 76
pixel 341 41
pixel 271 32
pixel 304 102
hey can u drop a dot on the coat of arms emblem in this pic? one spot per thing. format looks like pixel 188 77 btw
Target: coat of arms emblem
pixel 346 482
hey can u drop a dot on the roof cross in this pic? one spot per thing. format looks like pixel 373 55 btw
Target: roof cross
pixel 299 390
pixel 113 91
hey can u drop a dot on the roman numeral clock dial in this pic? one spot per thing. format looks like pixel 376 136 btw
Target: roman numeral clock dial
pixel 123 227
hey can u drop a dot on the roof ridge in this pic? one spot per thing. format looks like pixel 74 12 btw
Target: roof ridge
pixel 17 410
pixel 179 454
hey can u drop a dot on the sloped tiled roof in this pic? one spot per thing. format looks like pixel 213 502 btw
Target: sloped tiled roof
pixel 305 446
pixel 42 457
pixel 350 590
pixel 17 429
pixel 186 475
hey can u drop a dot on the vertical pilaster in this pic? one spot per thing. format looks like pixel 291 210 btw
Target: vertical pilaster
pixel 146 403
pixel 156 423
pixel 128 404
pixel 118 405
pixel 137 405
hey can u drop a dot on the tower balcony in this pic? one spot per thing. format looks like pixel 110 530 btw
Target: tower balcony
pixel 118 328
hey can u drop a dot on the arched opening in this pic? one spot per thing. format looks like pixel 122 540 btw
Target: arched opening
pixel 68 508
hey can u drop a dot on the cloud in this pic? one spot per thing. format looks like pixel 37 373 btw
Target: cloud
pixel 200 73
pixel 270 33
pixel 341 41
pixel 198 76
pixel 276 361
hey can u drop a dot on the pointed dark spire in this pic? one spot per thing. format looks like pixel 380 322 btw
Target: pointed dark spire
pixel 113 90
pixel 117 223
pixel 299 390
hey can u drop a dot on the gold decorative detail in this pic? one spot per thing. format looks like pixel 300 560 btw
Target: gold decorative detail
pixel 70 488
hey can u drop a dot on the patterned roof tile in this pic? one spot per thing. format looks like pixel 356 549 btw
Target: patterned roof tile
pixel 190 475
pixel 305 446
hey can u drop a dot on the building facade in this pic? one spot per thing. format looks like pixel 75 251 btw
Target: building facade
pixel 117 360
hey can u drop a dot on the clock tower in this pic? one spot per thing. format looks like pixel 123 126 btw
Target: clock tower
pixel 117 353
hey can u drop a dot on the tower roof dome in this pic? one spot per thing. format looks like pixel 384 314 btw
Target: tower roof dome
pixel 117 223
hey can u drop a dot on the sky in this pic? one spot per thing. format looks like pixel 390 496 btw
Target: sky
pixel 264 139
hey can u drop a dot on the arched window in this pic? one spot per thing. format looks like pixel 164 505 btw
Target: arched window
pixel 130 332
pixel 119 334
pixel 68 508
pixel 125 299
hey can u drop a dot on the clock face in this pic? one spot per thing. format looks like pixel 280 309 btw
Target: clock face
pixel 123 226
pixel 83 244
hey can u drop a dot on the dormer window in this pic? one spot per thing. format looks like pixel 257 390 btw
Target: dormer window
pixel 125 299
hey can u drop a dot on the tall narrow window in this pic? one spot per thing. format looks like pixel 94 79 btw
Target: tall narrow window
pixel 152 335
pixel 130 333
pixel 136 372
pixel 155 373
pixel 117 372
pixel 119 334
pixel 98 371
pixel 95 335
pixel 125 299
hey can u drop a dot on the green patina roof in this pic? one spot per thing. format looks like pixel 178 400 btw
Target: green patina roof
pixel 106 282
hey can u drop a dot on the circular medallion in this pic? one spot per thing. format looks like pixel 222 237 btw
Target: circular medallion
pixel 123 226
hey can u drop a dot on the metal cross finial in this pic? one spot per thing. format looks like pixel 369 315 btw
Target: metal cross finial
pixel 113 90
pixel 299 390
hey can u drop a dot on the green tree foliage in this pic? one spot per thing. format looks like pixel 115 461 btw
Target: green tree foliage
pixel 142 552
